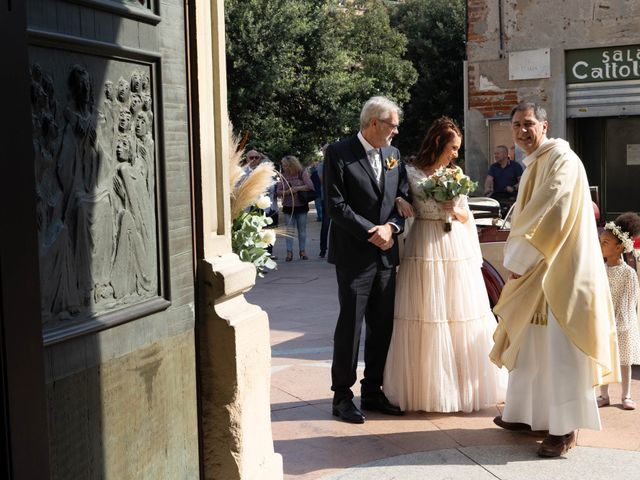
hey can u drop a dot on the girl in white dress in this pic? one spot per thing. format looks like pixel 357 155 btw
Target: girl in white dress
pixel 623 281
pixel 442 334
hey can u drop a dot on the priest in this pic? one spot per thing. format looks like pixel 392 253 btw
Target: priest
pixel 556 332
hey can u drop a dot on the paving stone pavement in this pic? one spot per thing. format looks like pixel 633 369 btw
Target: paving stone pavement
pixel 301 300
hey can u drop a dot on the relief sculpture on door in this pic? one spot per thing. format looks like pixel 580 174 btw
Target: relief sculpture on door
pixel 96 192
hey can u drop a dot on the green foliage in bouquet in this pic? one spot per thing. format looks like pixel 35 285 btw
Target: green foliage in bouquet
pixel 250 239
pixel 446 184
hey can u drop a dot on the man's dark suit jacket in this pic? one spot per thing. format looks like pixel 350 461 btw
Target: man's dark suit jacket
pixel 356 203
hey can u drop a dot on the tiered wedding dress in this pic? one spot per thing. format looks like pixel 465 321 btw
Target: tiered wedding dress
pixel 438 359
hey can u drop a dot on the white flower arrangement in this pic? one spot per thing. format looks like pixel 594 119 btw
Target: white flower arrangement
pixel 446 183
pixel 250 237
pixel 624 237
pixel 268 237
pixel 263 202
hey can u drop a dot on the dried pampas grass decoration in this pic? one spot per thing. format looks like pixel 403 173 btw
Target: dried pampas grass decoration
pixel 235 160
pixel 245 187
pixel 251 187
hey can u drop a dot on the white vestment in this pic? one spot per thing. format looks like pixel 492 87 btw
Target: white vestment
pixel 550 387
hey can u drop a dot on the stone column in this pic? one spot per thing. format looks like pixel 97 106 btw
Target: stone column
pixel 234 355
pixel 235 372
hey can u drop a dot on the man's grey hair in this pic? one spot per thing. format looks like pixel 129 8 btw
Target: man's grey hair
pixel 378 107
pixel 503 148
pixel 539 112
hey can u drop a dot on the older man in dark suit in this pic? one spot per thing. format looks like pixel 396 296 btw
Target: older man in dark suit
pixel 363 176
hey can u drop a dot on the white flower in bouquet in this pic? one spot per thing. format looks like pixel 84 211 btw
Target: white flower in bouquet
pixel 268 237
pixel 263 202
pixel 445 184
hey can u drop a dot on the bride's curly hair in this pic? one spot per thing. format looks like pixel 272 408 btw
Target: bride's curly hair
pixel 440 133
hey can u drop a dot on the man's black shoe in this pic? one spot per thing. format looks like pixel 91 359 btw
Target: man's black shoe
pixel 380 403
pixel 348 412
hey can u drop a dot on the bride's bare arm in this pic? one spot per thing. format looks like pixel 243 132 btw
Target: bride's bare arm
pixel 404 208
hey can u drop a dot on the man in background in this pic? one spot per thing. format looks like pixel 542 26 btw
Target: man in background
pixel 503 178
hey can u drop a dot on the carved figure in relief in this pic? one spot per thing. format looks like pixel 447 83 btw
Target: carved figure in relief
pixel 85 170
pixel 145 152
pixel 131 269
pixel 95 189
pixel 45 133
pixel 107 115
pixel 136 104
pixel 60 294
pixel 146 83
pixel 146 102
pixel 136 82
pixel 124 120
pixel 109 93
pixel 123 90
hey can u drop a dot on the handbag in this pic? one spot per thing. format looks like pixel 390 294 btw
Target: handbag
pixel 306 196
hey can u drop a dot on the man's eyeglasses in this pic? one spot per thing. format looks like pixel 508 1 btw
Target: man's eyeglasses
pixel 394 126
pixel 256 157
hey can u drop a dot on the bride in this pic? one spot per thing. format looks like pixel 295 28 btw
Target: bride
pixel 442 334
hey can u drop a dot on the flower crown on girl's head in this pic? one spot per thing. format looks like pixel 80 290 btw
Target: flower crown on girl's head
pixel 624 237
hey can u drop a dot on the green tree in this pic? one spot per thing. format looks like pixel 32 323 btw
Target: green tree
pixel 435 30
pixel 298 71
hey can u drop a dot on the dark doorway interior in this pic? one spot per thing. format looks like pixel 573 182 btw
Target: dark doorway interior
pixel 610 150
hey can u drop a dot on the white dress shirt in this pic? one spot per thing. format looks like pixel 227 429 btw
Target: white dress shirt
pixel 374 157
pixel 376 164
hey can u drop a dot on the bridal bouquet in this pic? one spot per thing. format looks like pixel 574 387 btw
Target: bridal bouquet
pixel 445 184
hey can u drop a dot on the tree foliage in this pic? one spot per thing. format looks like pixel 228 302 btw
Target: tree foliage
pixel 298 71
pixel 435 30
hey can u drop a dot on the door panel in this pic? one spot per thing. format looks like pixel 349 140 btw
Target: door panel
pixel 109 123
pixel 96 117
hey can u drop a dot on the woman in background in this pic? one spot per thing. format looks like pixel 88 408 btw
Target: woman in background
pixel 294 179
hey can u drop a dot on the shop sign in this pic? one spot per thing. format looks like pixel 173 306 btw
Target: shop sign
pixel 529 64
pixel 603 64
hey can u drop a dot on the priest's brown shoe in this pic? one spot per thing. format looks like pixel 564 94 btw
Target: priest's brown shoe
pixel 514 427
pixel 518 427
pixel 557 445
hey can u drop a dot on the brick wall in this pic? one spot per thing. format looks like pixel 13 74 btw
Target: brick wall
pixel 480 31
pixel 491 103
pixel 477 21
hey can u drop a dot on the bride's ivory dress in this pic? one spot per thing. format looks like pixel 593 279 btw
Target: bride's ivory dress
pixel 438 360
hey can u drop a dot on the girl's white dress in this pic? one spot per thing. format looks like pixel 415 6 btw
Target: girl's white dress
pixel 623 281
pixel 438 360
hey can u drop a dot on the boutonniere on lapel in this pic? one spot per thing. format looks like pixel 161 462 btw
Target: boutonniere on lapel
pixel 390 163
